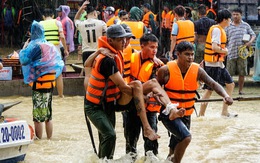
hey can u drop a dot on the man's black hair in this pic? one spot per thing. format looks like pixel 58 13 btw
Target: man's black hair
pixel 48 12
pixel 122 13
pixel 183 46
pixel 223 14
pixel 148 37
pixel 238 9
pixel 179 10
pixel 202 9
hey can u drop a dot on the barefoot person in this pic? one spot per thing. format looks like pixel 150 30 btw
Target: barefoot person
pixel 180 80
pixel 41 65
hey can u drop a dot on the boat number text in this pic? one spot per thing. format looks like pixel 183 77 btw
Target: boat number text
pixel 15 133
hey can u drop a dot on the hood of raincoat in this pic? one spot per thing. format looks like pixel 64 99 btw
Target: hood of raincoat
pixel 135 14
pixel 65 11
pixel 37 32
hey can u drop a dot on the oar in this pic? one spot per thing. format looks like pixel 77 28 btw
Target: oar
pixel 9 105
pixel 234 99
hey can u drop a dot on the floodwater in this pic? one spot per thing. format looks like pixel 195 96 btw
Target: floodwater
pixel 215 139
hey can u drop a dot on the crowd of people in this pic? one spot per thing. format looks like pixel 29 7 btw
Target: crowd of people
pixel 128 69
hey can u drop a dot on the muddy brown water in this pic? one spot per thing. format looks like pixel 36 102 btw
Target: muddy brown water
pixel 214 138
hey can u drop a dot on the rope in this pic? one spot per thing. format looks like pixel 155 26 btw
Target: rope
pixel 245 52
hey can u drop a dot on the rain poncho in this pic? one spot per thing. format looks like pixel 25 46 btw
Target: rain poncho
pixel 39 57
pixel 256 76
pixel 68 27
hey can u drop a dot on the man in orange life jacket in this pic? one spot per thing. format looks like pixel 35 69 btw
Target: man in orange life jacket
pixel 104 95
pixel 182 30
pixel 166 25
pixel 180 80
pixel 214 55
pixel 143 68
pixel 149 18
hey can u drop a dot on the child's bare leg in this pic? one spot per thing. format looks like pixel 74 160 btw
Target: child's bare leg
pixel 140 107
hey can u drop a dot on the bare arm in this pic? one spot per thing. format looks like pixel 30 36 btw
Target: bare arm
pixel 84 5
pixel 203 76
pixel 91 58
pixel 63 42
pixel 118 80
pixel 173 43
pixel 218 49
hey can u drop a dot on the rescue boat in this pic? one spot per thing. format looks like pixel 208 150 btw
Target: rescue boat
pixel 15 137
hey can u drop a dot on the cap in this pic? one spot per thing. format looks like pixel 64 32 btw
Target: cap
pixel 147 5
pixel 59 9
pixel 258 8
pixel 116 31
pixel 128 30
pixel 90 9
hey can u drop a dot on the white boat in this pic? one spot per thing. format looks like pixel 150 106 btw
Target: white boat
pixel 15 137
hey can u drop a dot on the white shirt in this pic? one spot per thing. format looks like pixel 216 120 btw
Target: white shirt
pixel 90 30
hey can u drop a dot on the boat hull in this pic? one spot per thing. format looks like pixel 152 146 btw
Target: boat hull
pixel 15 137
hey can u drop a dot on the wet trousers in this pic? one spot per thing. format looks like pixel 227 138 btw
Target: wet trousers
pixel 104 121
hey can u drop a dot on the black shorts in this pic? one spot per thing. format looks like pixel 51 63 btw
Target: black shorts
pixel 220 75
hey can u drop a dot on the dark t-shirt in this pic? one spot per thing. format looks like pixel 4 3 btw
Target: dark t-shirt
pixel 108 67
pixel 202 25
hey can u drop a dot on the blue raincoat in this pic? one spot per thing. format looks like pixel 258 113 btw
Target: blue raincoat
pixel 39 57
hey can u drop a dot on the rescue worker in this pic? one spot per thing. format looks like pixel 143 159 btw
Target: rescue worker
pixel 180 80
pixel 214 56
pixel 102 103
pixel 53 32
pixel 111 68
pixel 143 68
pixel 41 65
pixel 166 25
pixel 183 30
pixel 149 18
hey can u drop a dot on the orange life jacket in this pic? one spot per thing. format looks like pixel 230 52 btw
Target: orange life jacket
pixel 99 89
pixel 181 89
pixel 138 31
pixel 167 19
pixel 116 12
pixel 209 54
pixel 112 21
pixel 146 18
pixel 186 31
pixel 127 59
pixel 143 73
pixel 46 81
